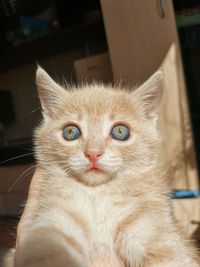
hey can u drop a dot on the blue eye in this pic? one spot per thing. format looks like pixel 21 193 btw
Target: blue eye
pixel 120 132
pixel 71 132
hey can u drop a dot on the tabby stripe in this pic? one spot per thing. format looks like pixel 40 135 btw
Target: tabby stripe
pixel 54 231
pixel 79 221
pixel 74 244
pixel 129 219
pixel 123 225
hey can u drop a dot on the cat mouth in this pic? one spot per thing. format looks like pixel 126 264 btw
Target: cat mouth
pixel 94 169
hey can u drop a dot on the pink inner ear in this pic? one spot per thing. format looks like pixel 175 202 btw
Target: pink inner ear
pixel 148 96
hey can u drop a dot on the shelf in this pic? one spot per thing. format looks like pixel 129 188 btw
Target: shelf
pixel 60 41
pixel 188 20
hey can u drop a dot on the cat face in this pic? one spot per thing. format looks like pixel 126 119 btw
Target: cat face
pixel 95 133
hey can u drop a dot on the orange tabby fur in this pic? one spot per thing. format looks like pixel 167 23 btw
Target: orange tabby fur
pixel 115 218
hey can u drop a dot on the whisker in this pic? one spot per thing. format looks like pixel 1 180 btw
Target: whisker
pixel 36 109
pixel 16 157
pixel 20 177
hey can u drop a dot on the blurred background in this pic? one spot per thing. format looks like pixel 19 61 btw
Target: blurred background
pixel 98 40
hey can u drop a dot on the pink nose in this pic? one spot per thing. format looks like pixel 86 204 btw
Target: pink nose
pixel 93 156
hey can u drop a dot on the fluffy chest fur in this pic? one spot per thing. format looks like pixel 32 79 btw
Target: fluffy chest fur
pixel 98 218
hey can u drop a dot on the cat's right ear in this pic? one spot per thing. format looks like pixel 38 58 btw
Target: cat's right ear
pixel 148 96
pixel 50 93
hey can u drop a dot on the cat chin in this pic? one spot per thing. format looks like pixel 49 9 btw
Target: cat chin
pixel 95 178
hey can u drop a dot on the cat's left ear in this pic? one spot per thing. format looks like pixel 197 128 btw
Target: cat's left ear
pixel 51 94
pixel 148 96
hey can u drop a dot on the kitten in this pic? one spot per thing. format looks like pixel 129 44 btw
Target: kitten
pixel 100 195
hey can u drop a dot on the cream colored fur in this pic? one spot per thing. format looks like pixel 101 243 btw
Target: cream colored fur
pixel 120 217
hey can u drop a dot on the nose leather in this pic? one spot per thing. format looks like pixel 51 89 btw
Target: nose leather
pixel 93 156
pixel 94 149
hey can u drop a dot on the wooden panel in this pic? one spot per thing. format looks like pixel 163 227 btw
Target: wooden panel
pixel 188 218
pixel 175 124
pixel 171 123
pixel 138 38
pixel 92 68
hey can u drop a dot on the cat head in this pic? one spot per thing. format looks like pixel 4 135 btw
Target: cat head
pixel 96 133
